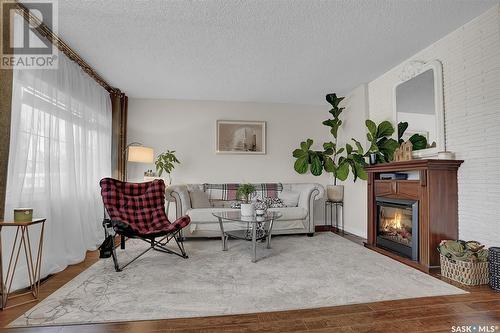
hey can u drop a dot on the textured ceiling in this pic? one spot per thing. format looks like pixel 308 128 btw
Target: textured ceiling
pixel 265 51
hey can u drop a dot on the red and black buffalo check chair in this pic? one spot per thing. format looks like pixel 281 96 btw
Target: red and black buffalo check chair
pixel 137 210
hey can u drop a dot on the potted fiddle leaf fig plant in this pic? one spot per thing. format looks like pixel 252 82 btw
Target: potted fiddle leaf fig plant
pixel 338 161
pixel 382 146
pixel 165 162
pixel 245 192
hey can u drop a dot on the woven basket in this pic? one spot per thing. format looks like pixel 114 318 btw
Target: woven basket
pixel 465 272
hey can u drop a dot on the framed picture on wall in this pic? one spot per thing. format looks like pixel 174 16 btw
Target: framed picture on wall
pixel 241 137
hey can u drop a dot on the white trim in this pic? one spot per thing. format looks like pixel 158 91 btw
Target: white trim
pixel 411 70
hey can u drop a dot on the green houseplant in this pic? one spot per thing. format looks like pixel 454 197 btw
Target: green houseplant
pixel 418 141
pixel 382 146
pixel 245 193
pixel 338 161
pixel 165 162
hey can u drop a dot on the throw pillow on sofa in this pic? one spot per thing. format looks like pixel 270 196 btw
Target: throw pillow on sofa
pixel 199 199
pixel 274 203
pixel 236 205
pixel 290 198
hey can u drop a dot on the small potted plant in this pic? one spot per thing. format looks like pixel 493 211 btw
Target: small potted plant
pixel 165 163
pixel 245 193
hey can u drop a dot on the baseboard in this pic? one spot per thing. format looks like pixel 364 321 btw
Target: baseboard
pixel 321 228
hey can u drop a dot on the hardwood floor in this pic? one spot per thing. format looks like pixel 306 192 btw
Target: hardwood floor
pixel 429 314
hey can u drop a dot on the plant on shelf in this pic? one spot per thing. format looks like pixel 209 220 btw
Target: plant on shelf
pixel 165 162
pixel 245 192
pixel 382 146
pixel 418 141
pixel 332 159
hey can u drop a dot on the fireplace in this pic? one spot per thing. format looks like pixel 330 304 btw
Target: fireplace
pixel 397 226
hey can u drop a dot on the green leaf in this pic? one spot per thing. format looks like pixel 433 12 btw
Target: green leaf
pixel 358 146
pixel 402 126
pixel 340 151
pixel 305 145
pixel 329 165
pixel 348 148
pixel 372 128
pixel 299 153
pixel 418 141
pixel 385 128
pixel 360 171
pixel 387 148
pixel 333 99
pixel 301 165
pixel 316 165
pixel 342 171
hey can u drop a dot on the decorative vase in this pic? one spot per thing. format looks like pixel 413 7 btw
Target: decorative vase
pixel 247 209
pixel 373 158
pixel 335 193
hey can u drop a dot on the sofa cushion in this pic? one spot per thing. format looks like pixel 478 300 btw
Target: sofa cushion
pixel 291 213
pixel 290 198
pixel 199 199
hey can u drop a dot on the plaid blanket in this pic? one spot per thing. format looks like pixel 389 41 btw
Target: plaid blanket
pixel 227 192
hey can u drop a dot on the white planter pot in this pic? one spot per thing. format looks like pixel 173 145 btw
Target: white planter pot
pixel 335 193
pixel 247 209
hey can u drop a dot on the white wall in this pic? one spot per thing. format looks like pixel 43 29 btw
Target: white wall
pixel 355 196
pixel 471 70
pixel 189 128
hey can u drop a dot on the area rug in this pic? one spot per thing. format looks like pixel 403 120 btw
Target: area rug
pixel 299 272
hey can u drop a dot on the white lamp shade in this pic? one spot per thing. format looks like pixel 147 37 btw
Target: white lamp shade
pixel 140 154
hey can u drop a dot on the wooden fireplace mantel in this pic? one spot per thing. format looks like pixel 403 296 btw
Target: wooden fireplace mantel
pixel 435 189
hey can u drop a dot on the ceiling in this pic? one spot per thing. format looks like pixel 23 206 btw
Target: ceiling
pixel 292 51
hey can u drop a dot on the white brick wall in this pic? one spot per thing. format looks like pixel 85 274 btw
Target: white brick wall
pixel 471 71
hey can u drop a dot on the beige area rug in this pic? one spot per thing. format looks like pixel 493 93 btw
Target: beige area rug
pixel 297 273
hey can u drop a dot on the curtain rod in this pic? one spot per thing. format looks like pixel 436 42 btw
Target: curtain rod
pixel 46 32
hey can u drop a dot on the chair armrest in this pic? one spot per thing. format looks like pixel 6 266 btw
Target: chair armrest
pixel 180 195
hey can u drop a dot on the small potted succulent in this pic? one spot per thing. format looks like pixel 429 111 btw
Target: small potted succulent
pixel 245 193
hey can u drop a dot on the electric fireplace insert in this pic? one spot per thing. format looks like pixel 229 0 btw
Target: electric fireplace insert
pixel 397 226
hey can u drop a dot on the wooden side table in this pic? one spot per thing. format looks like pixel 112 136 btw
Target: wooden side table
pixel 21 240
pixel 330 204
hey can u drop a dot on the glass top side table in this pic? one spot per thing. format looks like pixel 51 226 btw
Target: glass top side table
pixel 21 240
pixel 257 228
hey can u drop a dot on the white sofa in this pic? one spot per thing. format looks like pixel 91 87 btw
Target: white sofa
pixel 295 220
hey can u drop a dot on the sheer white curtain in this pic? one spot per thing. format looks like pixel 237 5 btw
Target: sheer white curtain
pixel 60 148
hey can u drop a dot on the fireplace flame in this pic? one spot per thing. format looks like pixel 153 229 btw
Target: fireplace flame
pixel 394 223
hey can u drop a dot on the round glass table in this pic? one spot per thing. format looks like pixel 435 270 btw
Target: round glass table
pixel 258 227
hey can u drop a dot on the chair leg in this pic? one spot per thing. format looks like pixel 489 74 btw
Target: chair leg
pixel 160 245
pixel 122 242
pixel 115 257
pixel 180 244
